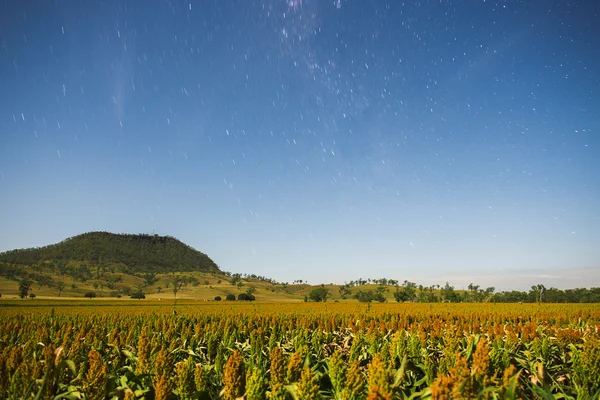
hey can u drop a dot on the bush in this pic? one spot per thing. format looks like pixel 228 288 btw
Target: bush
pixel 138 295
pixel 31 295
pixel 369 296
pixel 230 297
pixel 90 295
pixel 217 298
pixel 246 297
pixel 319 294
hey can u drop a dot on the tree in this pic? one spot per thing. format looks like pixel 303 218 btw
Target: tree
pixel 138 294
pixel 230 297
pixel 217 298
pixel 400 295
pixel 319 294
pixel 24 287
pixel 60 286
pixel 90 295
pixel 448 293
pixel 32 296
pixel 411 290
pixel 149 278
pixel 246 297
pixel 408 292
pixel 177 282
pixel 235 278
pixel 538 292
pixel 344 291
pixel 44 280
pixel 367 296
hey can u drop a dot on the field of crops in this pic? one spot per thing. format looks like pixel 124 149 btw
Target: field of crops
pixel 302 351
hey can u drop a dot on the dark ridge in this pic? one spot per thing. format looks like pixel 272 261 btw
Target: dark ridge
pixel 135 253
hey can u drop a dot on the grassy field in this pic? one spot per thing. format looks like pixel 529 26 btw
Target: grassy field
pixel 192 349
pixel 209 286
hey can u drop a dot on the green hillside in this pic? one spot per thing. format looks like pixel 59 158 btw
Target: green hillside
pixel 107 265
pixel 133 254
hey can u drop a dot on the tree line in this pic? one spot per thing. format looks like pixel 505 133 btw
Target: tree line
pixel 411 292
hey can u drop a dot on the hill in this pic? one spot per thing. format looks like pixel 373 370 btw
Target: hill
pixel 131 254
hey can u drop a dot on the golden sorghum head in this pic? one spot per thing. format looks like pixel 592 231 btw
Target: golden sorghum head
pixel 162 387
pixel 200 379
pixel 278 391
pixel 163 362
pixel 337 371
pixel 14 359
pixel 129 395
pixel 308 386
pixel 277 366
pixel 184 379
pixel 481 359
pixel 144 349
pixel 256 385
pixel 294 370
pixel 355 382
pixel 441 388
pixel 94 386
pixel 234 381
pixel 376 394
pixel 379 377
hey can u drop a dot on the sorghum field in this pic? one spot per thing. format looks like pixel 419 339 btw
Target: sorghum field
pixel 304 351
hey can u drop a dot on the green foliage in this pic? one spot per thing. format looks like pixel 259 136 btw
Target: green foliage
pixel 246 297
pixel 408 292
pixel 230 297
pixel 137 253
pixel 256 385
pixel 367 296
pixel 90 295
pixel 319 294
pixel 344 291
pixel 176 284
pixel 24 287
pixel 149 278
pixel 448 293
pixel 138 294
pixel 60 286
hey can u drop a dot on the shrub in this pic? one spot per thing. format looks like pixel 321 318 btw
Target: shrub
pixel 217 298
pixel 138 295
pixel 230 297
pixel 319 294
pixel 242 297
pixel 90 295
pixel 369 296
pixel 246 297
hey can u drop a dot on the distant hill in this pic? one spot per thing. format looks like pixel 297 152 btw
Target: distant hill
pixel 134 253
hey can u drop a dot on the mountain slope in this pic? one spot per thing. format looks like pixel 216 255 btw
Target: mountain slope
pixel 135 253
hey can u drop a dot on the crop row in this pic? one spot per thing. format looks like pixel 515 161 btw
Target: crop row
pixel 302 351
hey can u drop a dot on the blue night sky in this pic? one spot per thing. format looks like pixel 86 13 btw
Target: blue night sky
pixel 321 140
